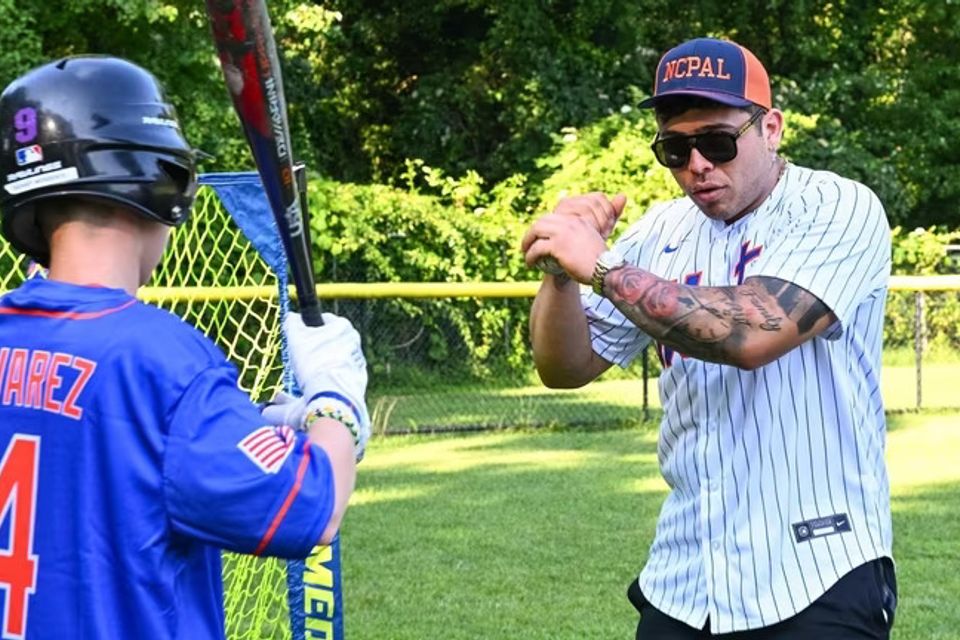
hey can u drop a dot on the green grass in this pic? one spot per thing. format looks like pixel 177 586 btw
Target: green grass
pixel 607 402
pixel 936 352
pixel 535 534
pixel 938 390
pixel 923 453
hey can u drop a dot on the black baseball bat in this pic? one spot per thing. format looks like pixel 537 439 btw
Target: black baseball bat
pixel 251 69
pixel 248 57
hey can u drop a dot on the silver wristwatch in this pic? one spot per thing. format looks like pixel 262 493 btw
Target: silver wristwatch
pixel 607 261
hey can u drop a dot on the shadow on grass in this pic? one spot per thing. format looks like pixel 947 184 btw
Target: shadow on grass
pixel 505 535
pixel 606 403
pixel 900 419
pixel 601 402
pixel 926 523
pixel 534 534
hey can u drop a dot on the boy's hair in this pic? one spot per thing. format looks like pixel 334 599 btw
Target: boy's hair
pixel 52 212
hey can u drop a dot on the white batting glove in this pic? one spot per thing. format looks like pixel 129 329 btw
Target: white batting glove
pixel 285 409
pixel 332 373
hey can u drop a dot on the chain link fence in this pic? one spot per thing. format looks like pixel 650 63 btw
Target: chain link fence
pixel 429 378
pixel 456 356
pixel 431 373
pixel 922 334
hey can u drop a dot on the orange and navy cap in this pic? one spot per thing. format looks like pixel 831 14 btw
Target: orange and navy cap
pixel 719 70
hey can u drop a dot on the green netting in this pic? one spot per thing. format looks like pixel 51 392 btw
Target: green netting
pixel 210 251
pixel 12 267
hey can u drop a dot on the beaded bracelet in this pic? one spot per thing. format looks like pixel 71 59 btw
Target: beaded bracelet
pixel 330 404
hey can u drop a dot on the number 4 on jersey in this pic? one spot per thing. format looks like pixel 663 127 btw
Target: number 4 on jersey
pixel 18 564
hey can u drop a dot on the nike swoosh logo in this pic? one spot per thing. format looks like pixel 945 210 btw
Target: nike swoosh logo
pixel 669 249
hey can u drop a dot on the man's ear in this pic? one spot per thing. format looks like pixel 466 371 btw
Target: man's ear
pixel 772 127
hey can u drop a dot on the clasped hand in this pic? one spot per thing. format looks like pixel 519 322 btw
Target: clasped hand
pixel 574 234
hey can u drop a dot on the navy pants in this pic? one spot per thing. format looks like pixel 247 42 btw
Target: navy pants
pixel 860 606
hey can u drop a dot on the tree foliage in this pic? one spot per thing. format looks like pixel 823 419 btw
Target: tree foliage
pixel 495 87
pixel 441 127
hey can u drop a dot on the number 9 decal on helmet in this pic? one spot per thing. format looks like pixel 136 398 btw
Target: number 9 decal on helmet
pixel 65 133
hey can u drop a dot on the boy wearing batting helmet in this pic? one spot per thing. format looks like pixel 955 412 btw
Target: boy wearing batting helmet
pixel 130 455
pixel 763 289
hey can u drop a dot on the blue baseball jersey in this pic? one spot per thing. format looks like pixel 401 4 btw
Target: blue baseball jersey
pixel 130 459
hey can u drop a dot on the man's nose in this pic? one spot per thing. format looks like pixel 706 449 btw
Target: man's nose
pixel 698 163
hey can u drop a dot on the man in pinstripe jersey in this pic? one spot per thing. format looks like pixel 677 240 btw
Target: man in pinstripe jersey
pixel 764 290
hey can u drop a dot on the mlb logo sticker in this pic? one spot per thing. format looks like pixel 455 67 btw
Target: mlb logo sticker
pixel 29 155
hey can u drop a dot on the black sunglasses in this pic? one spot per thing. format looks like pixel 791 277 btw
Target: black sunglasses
pixel 716 146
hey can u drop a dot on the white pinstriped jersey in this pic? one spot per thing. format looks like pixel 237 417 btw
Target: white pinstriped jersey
pixel 778 484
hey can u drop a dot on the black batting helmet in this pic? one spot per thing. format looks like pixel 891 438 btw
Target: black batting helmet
pixel 90 127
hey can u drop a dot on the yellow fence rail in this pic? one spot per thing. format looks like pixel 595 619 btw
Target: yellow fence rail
pixel 370 290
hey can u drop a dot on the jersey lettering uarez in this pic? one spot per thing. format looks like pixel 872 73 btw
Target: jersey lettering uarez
pixel 777 479
pixel 129 459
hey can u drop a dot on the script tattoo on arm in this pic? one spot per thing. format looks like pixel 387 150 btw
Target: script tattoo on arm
pixel 744 325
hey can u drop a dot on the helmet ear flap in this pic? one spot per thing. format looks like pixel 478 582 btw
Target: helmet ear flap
pixel 183 181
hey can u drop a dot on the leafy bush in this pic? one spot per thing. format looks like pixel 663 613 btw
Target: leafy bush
pixel 612 155
pixel 821 142
pixel 374 233
pixel 442 228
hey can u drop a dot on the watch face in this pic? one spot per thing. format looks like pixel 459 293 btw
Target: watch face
pixel 611 258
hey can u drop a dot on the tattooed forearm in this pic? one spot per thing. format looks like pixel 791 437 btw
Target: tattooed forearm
pixel 805 308
pixel 771 321
pixel 717 323
pixel 703 322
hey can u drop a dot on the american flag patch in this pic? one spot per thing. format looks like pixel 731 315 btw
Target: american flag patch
pixel 269 446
